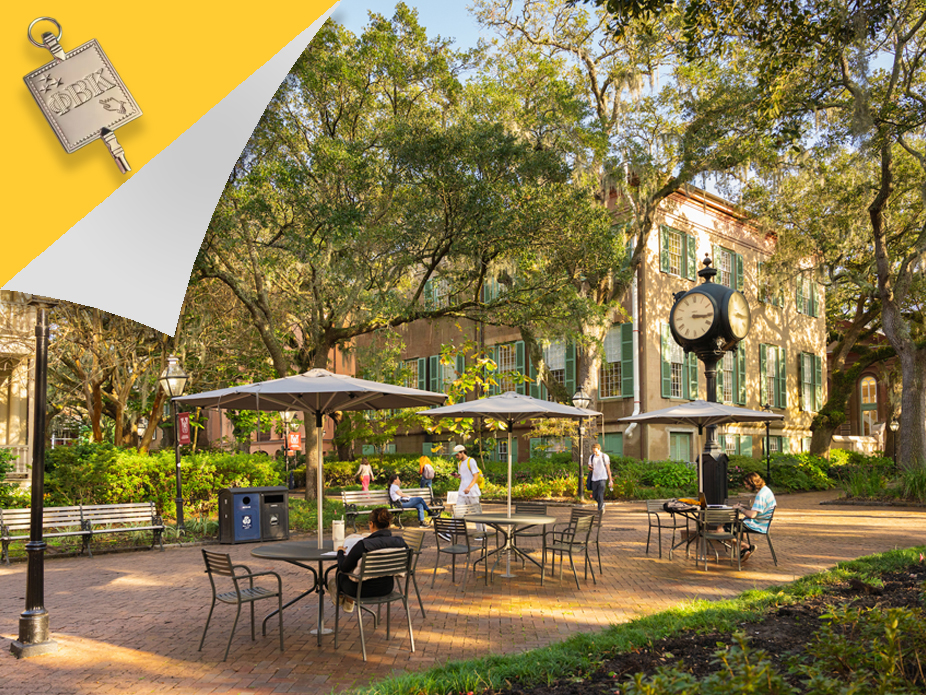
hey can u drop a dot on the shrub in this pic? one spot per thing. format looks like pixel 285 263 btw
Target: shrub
pixel 670 474
pixel 913 484
pixel 799 472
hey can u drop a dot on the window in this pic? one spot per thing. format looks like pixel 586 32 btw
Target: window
pixel 677 253
pixel 680 446
pixel 555 357
pixel 560 358
pixel 545 447
pixel 806 297
pixel 731 377
pixel 411 374
pixel 436 293
pixel 729 266
pixel 679 371
pixel 615 376
pixel 373 450
pixel 869 403
pixel 767 293
pixel 509 358
pixel 736 444
pixel 441 376
pixel 491 290
pixel 777 444
pixel 811 367
pixel 773 376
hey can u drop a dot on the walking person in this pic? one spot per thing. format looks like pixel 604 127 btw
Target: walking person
pixel 599 464
pixel 365 473
pixel 406 502
pixel 425 472
pixel 468 469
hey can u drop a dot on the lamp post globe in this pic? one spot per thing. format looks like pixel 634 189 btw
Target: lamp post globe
pixel 173 381
pixel 580 399
pixel 894 427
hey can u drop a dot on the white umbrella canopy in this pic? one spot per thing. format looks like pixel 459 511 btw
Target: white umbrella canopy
pixel 702 414
pixel 317 391
pixel 509 407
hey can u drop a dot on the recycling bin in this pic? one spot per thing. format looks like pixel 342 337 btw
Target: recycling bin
pixel 251 514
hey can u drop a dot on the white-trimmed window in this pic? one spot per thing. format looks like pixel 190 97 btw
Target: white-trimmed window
pixel 610 375
pixel 554 355
pixel 411 374
pixel 727 382
pixel 680 446
pixel 811 374
pixel 506 359
pixel 677 253
pixel 729 267
pixel 868 388
pixel 676 359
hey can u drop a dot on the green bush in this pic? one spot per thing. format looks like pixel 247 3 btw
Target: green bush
pixel 103 474
pixel 913 484
pixel 671 474
pixel 799 472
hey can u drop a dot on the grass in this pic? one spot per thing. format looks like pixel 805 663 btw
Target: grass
pixel 582 654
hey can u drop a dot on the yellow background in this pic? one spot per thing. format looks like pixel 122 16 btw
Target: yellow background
pixel 178 59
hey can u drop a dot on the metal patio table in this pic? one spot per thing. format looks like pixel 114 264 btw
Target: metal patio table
pixel 499 522
pixel 299 553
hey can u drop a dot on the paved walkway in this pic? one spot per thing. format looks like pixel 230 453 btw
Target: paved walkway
pixel 131 622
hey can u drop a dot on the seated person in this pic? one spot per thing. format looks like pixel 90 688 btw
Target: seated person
pixel 395 494
pixel 756 517
pixel 380 537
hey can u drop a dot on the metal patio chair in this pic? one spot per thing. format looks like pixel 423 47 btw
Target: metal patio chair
pixel 414 539
pixel 596 527
pixel 574 538
pixel 749 531
pixel 655 511
pixel 457 540
pixel 388 562
pixel 712 526
pixel 525 532
pixel 219 565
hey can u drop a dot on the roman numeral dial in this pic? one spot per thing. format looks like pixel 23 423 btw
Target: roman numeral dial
pixel 693 316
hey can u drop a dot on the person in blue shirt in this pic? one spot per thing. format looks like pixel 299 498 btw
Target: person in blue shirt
pixel 758 516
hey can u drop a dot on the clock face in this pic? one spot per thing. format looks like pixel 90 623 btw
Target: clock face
pixel 693 316
pixel 738 315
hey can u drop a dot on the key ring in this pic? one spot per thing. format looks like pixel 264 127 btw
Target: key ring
pixel 43 19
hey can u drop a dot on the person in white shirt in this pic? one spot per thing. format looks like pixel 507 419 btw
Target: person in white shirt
pixel 599 463
pixel 469 491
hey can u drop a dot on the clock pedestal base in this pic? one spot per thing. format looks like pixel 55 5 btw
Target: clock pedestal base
pixel 714 474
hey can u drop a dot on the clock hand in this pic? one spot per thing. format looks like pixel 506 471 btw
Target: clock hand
pixel 739 315
pixel 700 316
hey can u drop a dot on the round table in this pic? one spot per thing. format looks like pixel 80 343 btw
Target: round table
pixel 298 553
pixel 501 521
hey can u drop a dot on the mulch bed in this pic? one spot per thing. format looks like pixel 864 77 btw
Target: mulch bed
pixel 781 633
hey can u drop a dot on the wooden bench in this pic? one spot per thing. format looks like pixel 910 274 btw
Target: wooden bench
pixel 82 520
pixel 357 502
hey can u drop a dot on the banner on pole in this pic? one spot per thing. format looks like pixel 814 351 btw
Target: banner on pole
pixel 183 428
pixel 295 442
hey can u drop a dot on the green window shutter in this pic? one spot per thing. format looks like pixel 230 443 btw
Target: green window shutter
pixel 627 358
pixel 740 274
pixel 664 249
pixel 746 445
pixel 715 255
pixel 613 444
pixel 514 449
pixel 691 257
pixel 535 387
pixel 722 441
pixel 739 388
pixel 428 295
pixel 719 380
pixel 534 442
pixel 461 365
pixel 434 373
pixel 762 289
pixel 782 379
pixel 570 381
pixel 813 300
pixel 763 374
pixel 426 449
pixel 800 380
pixel 817 383
pixel 491 353
pixel 692 362
pixel 519 365
pixel 799 295
pixel 666 365
pixel 422 373
pixel 783 445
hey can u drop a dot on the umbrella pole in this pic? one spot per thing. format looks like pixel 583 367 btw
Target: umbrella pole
pixel 320 499
pixel 508 573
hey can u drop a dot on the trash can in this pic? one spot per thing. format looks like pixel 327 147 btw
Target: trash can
pixel 249 514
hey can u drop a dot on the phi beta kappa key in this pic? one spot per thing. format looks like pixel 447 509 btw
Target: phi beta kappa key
pixel 81 95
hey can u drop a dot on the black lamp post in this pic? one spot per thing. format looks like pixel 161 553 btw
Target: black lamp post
pixel 173 380
pixel 768 438
pixel 894 427
pixel 580 399
pixel 34 638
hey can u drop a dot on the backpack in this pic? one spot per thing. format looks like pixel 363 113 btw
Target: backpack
pixel 427 472
pixel 480 478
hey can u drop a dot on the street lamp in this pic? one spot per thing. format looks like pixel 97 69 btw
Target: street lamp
pixel 173 380
pixel 768 453
pixel 34 638
pixel 580 399
pixel 894 427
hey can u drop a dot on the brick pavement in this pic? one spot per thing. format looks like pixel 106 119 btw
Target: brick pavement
pixel 131 622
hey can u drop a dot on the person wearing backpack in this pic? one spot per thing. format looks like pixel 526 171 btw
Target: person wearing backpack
pixel 470 475
pixel 426 472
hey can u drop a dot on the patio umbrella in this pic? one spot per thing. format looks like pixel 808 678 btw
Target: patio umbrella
pixel 509 407
pixel 316 391
pixel 702 414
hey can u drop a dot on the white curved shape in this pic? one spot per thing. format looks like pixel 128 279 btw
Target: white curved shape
pixel 132 254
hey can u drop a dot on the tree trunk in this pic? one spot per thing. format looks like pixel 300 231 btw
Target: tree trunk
pixel 154 419
pixel 311 436
pixel 912 451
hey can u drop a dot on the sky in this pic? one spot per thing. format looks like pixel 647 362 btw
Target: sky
pixel 448 18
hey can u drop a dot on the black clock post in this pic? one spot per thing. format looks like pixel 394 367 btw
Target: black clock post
pixel 710 320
